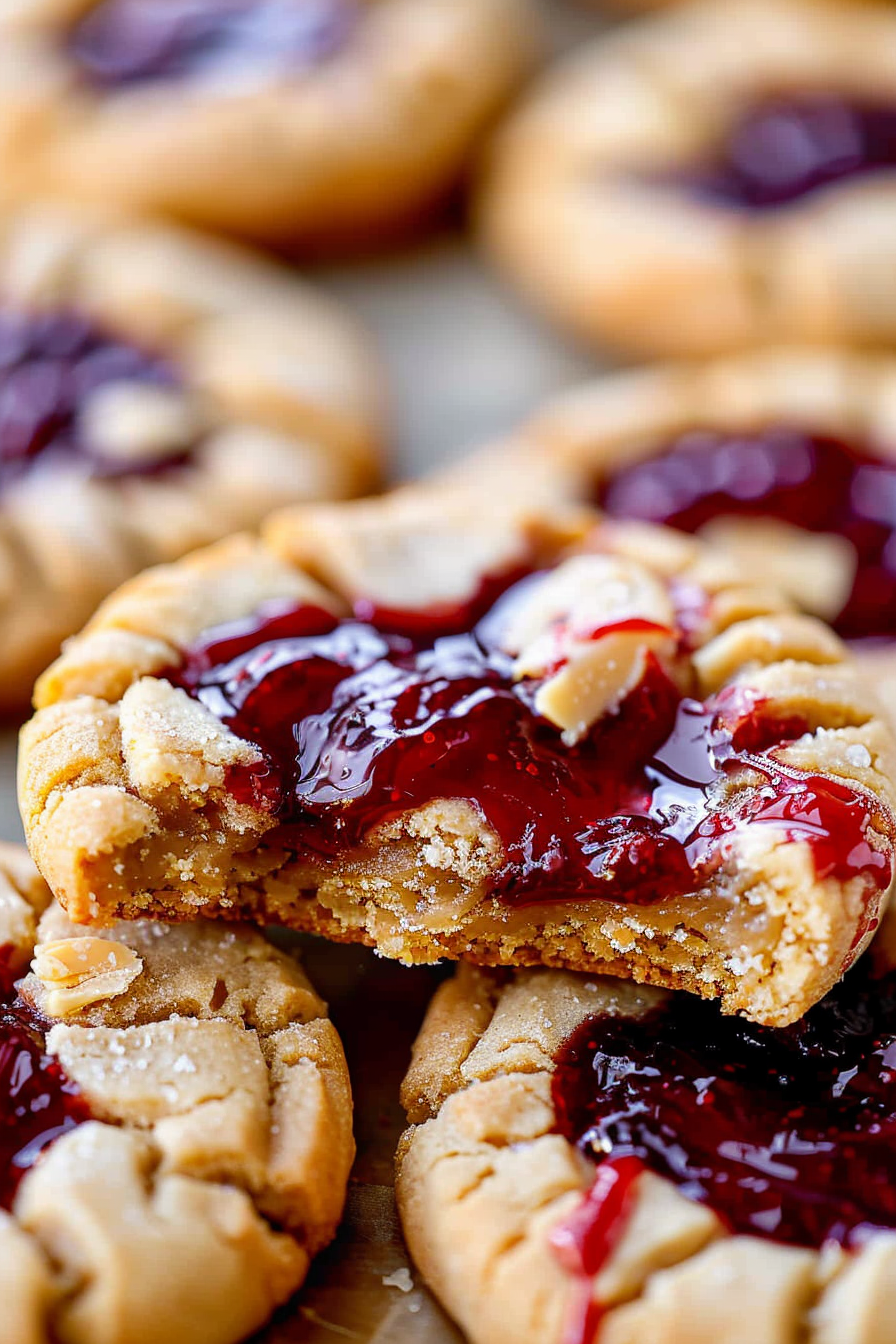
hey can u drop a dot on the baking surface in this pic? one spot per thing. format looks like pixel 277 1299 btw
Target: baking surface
pixel 464 361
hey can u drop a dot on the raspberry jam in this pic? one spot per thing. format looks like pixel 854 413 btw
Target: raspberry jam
pixel 812 482
pixel 585 1239
pixel 783 148
pixel 359 724
pixel 49 365
pixel 788 1134
pixel 38 1103
pixel 126 42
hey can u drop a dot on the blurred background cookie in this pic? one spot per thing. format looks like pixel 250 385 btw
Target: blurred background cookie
pixel 289 121
pixel 711 178
pixel 157 391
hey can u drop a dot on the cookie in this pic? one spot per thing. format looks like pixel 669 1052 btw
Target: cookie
pixel 785 459
pixel 710 178
pixel 176 1131
pixel 588 1160
pixel 158 391
pixel 449 727
pixel 299 123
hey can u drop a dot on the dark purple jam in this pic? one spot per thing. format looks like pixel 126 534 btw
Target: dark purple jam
pixel 126 42
pixel 359 722
pixel 50 363
pixel 809 481
pixel 38 1103
pixel 783 148
pixel 788 1134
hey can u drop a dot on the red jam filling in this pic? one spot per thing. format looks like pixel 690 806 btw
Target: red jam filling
pixel 784 148
pixel 49 365
pixel 38 1103
pixel 125 42
pixel 359 724
pixel 586 1238
pixel 809 481
pixel 788 1134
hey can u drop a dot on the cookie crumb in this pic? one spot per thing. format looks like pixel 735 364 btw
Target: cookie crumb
pixel 400 1279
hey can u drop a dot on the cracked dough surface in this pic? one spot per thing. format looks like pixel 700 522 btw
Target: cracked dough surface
pixel 482 1180
pixel 279 389
pixel 342 150
pixel 576 441
pixel 569 213
pixel 215 1161
pixel 123 777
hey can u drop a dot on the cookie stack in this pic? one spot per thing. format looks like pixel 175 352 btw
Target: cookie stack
pixel 602 713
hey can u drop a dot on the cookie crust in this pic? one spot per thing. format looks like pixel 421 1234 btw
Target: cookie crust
pixel 127 811
pixel 570 446
pixel 215 1162
pixel 568 213
pixel 358 145
pixel 279 387
pixel 482 1180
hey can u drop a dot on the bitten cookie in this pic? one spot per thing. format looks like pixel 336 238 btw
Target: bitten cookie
pixel 175 1126
pixel 718 176
pixel 157 391
pixel 786 459
pixel 451 727
pixel 293 122
pixel 589 1161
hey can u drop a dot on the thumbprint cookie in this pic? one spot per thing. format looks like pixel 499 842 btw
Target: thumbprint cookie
pixel 157 391
pixel 711 178
pixel 296 123
pixel 175 1126
pixel 451 727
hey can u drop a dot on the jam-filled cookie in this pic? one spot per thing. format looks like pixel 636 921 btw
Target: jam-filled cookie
pixel 719 176
pixel 451 728
pixel 175 1126
pixel 294 122
pixel 786 459
pixel 156 392
pixel 590 1161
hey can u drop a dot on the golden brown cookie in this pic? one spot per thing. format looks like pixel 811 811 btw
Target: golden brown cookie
pixel 458 728
pixel 157 392
pixel 785 459
pixel 176 1129
pixel 714 177
pixel 587 1160
pixel 294 122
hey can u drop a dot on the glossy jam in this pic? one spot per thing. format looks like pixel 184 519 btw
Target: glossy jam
pixel 49 364
pixel 783 148
pixel 127 42
pixel 787 1134
pixel 38 1102
pixel 585 1239
pixel 816 483
pixel 358 725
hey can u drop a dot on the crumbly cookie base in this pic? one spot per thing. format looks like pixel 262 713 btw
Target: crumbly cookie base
pixel 768 949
